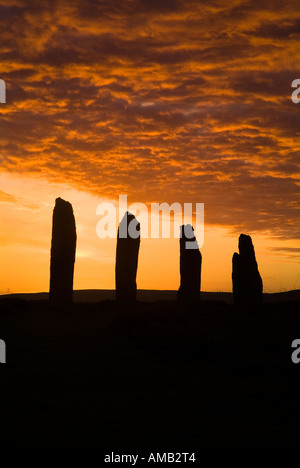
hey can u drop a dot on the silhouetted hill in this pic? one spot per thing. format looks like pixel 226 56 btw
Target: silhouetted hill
pixel 152 295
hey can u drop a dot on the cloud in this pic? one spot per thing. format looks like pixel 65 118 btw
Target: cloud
pixel 7 198
pixel 221 128
pixel 291 253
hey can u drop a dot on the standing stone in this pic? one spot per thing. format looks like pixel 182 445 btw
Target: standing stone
pixel 190 266
pixel 63 247
pixel 128 244
pixel 246 281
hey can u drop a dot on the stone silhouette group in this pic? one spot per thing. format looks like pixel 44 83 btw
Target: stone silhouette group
pixel 246 280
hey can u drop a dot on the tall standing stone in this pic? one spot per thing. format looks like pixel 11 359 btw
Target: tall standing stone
pixel 247 284
pixel 63 248
pixel 190 266
pixel 128 244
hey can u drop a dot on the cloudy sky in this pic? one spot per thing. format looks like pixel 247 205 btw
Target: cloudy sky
pixel 165 101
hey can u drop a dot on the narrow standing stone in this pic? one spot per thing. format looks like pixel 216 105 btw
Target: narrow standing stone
pixel 63 247
pixel 247 284
pixel 190 266
pixel 128 244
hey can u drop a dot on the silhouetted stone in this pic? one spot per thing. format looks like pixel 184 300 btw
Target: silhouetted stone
pixel 190 266
pixel 246 281
pixel 128 244
pixel 63 247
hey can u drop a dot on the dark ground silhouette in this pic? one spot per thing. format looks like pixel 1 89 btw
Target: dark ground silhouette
pixel 149 375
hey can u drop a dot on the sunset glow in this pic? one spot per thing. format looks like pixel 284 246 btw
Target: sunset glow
pixel 175 101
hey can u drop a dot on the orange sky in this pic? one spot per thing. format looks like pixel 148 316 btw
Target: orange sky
pixel 165 101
